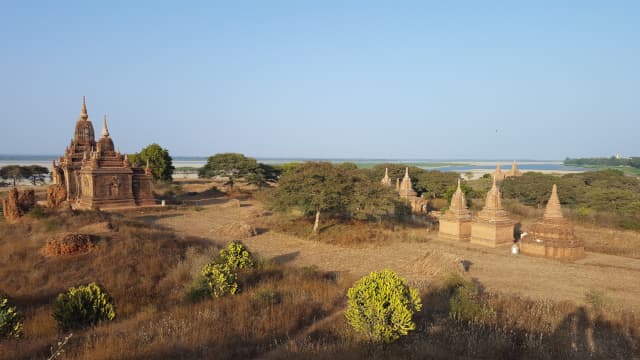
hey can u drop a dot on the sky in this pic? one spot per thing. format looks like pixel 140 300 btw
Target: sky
pixel 325 79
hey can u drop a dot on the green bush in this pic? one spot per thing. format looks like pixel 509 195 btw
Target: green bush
pixel 266 297
pixel 465 303
pixel 83 306
pixel 236 256
pixel 381 306
pixel 10 319
pixel 219 280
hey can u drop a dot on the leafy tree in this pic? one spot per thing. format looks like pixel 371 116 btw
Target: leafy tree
pixel 36 173
pixel 340 191
pixel 314 187
pixel 160 162
pixel 381 306
pixel 10 319
pixel 14 172
pixel 83 306
pixel 234 166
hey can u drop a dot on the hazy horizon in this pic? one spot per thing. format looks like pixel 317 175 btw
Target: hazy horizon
pixel 356 80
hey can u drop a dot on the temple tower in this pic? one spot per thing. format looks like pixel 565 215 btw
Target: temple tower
pixel 498 174
pixel 386 180
pixel 406 188
pixel 553 236
pixel 455 224
pixel 492 227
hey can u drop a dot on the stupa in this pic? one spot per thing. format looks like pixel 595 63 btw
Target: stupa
pixel 405 190
pixel 498 174
pixel 386 180
pixel 514 172
pixel 95 175
pixel 552 236
pixel 492 227
pixel 455 224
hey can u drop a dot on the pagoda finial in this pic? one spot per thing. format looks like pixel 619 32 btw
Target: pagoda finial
pixel 83 110
pixel 386 172
pixel 553 209
pixel 406 172
pixel 105 130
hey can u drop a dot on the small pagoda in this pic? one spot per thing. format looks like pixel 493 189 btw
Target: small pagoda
pixel 455 224
pixel 405 190
pixel 386 180
pixel 552 236
pixel 492 227
pixel 498 174
pixel 514 172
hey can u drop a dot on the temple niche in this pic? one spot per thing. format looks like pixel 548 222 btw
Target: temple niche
pixel 552 236
pixel 95 175
pixel 455 224
pixel 492 226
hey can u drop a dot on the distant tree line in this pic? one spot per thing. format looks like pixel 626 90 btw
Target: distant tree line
pixel 604 161
pixel 606 193
pixel 34 173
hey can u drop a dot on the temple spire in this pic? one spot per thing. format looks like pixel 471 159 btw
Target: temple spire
pixel 553 210
pixel 105 130
pixel 83 110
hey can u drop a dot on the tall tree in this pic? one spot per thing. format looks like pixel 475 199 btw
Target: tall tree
pixel 318 188
pixel 13 172
pixel 159 160
pixel 234 166
pixel 36 173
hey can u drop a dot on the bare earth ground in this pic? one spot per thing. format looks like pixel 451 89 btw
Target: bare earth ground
pixel 498 270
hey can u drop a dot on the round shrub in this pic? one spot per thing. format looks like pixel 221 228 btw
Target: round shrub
pixel 10 319
pixel 83 306
pixel 381 306
pixel 219 280
pixel 236 256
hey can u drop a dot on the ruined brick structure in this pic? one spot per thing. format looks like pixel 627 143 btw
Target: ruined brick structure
pixel 492 226
pixel 95 175
pixel 455 224
pixel 17 203
pixel 552 236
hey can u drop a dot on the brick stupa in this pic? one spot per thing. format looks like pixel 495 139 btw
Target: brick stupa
pixel 498 174
pixel 492 227
pixel 386 180
pixel 455 224
pixel 514 172
pixel 552 236
pixel 405 190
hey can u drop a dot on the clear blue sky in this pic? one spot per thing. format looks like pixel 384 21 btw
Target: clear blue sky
pixel 368 79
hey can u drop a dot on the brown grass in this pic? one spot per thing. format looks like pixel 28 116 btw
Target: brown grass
pixel 281 312
pixel 350 233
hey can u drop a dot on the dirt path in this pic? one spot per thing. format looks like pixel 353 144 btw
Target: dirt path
pixel 617 277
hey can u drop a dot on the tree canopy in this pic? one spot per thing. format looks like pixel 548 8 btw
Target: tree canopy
pixel 235 166
pixel 35 173
pixel 337 190
pixel 160 162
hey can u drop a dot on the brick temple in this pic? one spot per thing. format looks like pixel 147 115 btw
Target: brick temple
pixel 92 174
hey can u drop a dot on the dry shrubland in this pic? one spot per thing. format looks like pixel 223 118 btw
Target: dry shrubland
pixel 281 312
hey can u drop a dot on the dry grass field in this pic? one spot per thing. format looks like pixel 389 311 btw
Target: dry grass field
pixel 291 305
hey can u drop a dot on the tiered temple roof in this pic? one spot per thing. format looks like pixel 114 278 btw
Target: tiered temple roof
pixel 493 210
pixel 406 188
pixel 458 209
